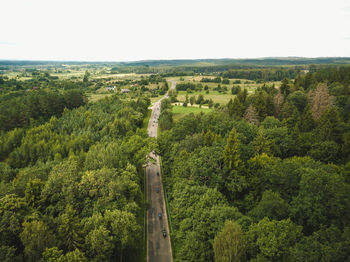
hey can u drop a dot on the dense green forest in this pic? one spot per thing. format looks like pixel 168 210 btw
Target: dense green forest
pixel 264 178
pixel 71 186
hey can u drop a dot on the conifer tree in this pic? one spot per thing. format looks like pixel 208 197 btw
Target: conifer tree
pixel 69 229
pixel 232 156
pixel 320 100
pixel 278 101
pixel 251 115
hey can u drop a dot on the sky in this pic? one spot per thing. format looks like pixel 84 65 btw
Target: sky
pixel 129 30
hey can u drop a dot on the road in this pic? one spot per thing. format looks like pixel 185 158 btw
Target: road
pixel 158 246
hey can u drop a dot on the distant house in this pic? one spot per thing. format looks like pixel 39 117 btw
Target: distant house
pixel 124 90
pixel 35 88
pixel 111 88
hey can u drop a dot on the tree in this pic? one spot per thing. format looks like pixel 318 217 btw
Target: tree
pixel 322 200
pixel 273 239
pixel 192 100
pixel 200 99
pixel 330 126
pixel 55 255
pixel 298 99
pixel 283 143
pixel 230 107
pixel 270 122
pixel 86 77
pixel 327 244
pixel 124 229
pixel 262 144
pixel 7 253
pixel 166 120
pixel 262 103
pixel 33 192
pixel 242 96
pixel 111 234
pixel 36 237
pixel 325 151
pixel 165 104
pixel 235 108
pixel 232 151
pixel 186 99
pixel 210 103
pixel 100 243
pixel 251 115
pixel 52 254
pixel 12 212
pixel 306 122
pixel 75 256
pixel 320 100
pixel 229 243
pixel 271 206
pixel 69 229
pixel 278 102
pixel 74 98
pixel 285 87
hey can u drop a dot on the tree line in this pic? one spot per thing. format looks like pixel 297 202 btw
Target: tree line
pixel 19 109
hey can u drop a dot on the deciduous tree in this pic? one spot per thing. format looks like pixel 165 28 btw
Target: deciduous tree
pixel 229 243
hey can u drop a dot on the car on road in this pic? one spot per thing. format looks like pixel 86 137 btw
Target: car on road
pixel 157 189
pixel 160 215
pixel 164 232
pixel 157 173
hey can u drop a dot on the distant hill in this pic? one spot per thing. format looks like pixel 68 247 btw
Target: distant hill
pixel 268 61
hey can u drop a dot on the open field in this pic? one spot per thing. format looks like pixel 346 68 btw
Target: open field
pixel 217 97
pixel 155 99
pixel 130 76
pixel 93 97
pixel 250 85
pixel 180 111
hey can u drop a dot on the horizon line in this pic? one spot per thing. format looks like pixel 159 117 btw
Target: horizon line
pixel 175 59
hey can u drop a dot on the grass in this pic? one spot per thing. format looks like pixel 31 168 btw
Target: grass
pixel 155 99
pixel 96 97
pixel 146 119
pixel 181 111
pixel 245 83
pixel 217 97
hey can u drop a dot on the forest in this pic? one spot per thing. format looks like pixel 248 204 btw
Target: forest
pixel 71 177
pixel 262 177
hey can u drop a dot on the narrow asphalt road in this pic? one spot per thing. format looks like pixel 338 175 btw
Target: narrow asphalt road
pixel 158 246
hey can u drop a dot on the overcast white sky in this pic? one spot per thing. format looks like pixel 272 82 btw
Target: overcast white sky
pixel 121 30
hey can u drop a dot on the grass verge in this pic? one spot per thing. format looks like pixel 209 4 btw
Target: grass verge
pixel 146 119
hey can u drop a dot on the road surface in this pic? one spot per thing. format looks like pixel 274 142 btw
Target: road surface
pixel 158 246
